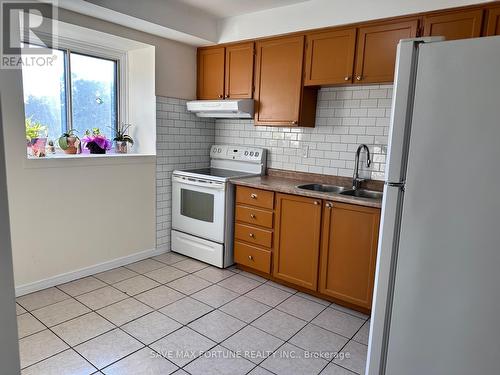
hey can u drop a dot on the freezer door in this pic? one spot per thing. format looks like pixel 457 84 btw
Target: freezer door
pixel 446 297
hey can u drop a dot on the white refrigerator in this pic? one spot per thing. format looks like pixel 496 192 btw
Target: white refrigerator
pixel 436 308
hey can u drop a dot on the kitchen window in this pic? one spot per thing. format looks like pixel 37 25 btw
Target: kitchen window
pixel 79 91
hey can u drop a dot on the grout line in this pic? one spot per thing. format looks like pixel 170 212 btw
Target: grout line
pixel 182 325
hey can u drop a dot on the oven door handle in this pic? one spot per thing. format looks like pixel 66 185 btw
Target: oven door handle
pixel 197 182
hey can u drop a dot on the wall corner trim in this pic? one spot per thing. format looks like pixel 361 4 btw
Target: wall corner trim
pixel 87 271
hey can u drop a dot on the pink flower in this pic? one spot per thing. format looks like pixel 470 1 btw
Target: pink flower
pixel 99 140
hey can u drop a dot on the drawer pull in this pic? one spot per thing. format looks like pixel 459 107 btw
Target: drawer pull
pixel 252 235
pixel 316 203
pixel 250 257
pixel 253 216
pixel 253 196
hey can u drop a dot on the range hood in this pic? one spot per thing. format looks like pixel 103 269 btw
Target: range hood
pixel 234 108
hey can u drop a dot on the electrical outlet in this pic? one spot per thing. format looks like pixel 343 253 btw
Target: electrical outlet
pixel 305 151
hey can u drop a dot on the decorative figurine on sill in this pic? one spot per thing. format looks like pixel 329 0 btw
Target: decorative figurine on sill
pixel 51 149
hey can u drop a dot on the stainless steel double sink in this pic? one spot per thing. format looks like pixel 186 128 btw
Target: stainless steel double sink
pixel 359 193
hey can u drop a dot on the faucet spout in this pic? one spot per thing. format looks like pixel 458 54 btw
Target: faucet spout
pixel 356 181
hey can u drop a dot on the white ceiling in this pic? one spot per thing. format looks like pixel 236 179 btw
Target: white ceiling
pixel 230 8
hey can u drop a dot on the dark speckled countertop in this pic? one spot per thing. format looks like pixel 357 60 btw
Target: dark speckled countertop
pixel 287 182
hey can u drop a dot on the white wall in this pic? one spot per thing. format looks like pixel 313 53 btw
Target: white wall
pixel 68 215
pixel 175 62
pixel 74 215
pixel 322 13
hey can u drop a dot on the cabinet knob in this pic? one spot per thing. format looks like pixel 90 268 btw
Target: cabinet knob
pixel 316 203
pixel 221 96
pixel 359 78
pixel 253 196
pixel 347 78
pixel 295 122
pixel 250 257
pixel 227 96
pixel 329 205
pixel 252 216
pixel 252 235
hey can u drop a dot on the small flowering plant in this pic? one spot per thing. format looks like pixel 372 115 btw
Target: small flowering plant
pixel 96 142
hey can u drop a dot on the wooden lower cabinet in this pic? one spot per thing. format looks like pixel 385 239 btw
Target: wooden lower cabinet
pixel 349 252
pixel 326 248
pixel 297 240
pixel 252 256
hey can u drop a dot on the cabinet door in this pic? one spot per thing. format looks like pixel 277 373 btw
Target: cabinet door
pixel 493 25
pixel 330 57
pixel 349 252
pixel 376 51
pixel 278 80
pixel 211 73
pixel 454 25
pixel 239 71
pixel 297 231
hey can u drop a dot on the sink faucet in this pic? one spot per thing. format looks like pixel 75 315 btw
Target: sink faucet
pixel 355 179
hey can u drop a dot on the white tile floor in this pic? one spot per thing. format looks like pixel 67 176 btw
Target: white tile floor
pixel 171 314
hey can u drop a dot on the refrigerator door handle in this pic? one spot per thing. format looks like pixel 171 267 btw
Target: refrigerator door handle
pixel 400 185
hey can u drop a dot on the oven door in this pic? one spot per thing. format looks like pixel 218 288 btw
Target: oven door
pixel 198 207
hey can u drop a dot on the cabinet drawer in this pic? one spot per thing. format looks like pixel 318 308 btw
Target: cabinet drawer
pixel 257 236
pixel 255 216
pixel 255 197
pixel 252 257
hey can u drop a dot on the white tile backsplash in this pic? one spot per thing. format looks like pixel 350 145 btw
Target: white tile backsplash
pixel 345 118
pixel 183 141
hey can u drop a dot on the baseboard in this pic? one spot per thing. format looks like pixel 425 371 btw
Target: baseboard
pixel 87 271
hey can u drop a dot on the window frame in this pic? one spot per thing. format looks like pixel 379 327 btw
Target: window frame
pixel 68 45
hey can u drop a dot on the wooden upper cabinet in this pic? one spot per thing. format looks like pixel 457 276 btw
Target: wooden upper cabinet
pixel 376 50
pixel 493 23
pixel 281 99
pixel 297 240
pixel 239 71
pixel 211 73
pixel 349 252
pixel 455 24
pixel 330 57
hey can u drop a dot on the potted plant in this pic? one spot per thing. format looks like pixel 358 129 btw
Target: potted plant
pixel 69 142
pixel 36 137
pixel 96 142
pixel 122 139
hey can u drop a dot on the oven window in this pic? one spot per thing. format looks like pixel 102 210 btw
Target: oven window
pixel 197 205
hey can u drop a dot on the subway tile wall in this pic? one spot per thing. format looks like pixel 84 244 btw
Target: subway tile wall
pixel 183 141
pixel 345 118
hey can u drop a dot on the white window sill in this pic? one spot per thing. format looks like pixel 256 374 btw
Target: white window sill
pixel 86 159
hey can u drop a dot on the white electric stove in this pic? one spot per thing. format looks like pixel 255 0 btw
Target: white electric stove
pixel 203 203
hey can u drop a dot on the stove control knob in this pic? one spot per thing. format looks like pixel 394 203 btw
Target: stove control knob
pixel 251 153
pixel 246 153
pixel 219 150
pixel 257 154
